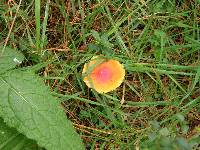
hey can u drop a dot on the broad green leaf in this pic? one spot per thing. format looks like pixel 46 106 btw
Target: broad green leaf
pixel 27 105
pixel 11 139
pixel 9 58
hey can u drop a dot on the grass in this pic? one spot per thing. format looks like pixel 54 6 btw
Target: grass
pixel 158 42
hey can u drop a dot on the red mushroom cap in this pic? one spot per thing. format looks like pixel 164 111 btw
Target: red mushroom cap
pixel 103 75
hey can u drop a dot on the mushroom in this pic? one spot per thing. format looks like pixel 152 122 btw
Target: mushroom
pixel 103 75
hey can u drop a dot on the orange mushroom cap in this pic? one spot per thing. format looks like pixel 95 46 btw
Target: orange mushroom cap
pixel 103 75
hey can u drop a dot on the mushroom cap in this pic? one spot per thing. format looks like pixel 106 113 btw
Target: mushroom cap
pixel 103 75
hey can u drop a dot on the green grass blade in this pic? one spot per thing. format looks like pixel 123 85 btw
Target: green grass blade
pixel 37 21
pixel 44 25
